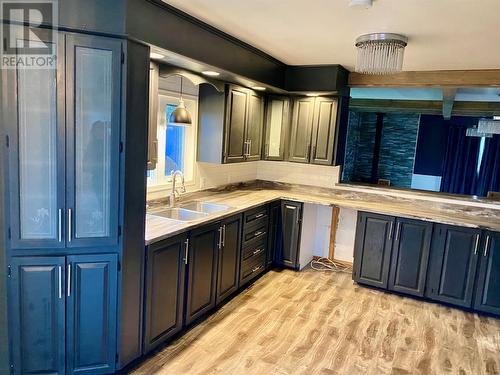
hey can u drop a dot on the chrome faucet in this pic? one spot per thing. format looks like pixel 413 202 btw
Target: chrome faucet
pixel 174 192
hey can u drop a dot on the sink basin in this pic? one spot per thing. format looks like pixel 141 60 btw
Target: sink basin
pixel 179 214
pixel 205 207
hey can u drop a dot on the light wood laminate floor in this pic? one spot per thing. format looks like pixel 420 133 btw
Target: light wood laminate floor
pixel 322 323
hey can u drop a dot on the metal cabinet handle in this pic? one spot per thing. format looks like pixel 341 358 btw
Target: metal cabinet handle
pixel 258 216
pixel 219 244
pixel 256 269
pixel 249 147
pixel 487 245
pixel 69 280
pixel 186 251
pixel 398 230
pixel 390 230
pixel 258 251
pixel 70 219
pixel 257 234
pixel 59 225
pixel 476 247
pixel 224 235
pixel 313 154
pixel 60 282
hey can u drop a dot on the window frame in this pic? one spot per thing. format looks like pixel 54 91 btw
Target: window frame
pixel 165 183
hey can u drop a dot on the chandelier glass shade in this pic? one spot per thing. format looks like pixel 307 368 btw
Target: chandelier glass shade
pixel 380 53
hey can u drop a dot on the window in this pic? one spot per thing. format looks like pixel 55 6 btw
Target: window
pixel 176 144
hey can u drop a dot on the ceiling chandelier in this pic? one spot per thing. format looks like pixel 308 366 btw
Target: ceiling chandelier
pixel 380 53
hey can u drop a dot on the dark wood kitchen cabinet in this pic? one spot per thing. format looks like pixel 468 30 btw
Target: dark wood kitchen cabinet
pixel 410 255
pixel 488 281
pixel 453 264
pixel 291 224
pixel 202 271
pixel 37 315
pixel 313 131
pixel 230 124
pixel 274 236
pixel 91 314
pixel 229 257
pixel 276 129
pixel 372 249
pixel 164 296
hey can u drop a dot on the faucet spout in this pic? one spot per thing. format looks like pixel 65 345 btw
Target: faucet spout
pixel 176 191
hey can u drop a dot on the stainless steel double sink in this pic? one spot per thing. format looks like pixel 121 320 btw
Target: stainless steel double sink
pixel 190 211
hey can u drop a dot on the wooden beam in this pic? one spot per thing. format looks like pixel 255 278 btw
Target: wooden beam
pixel 333 232
pixel 434 78
pixel 428 107
pixel 448 99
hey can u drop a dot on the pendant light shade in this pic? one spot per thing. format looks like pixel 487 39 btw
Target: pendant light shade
pixel 180 115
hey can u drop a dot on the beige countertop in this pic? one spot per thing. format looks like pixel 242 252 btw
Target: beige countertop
pixel 246 196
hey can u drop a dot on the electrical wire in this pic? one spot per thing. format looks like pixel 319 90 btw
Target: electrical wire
pixel 325 264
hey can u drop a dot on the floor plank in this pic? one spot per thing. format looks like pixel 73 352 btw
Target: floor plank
pixel 311 322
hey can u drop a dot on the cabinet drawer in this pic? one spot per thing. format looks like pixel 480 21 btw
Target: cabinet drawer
pixel 252 267
pixel 254 250
pixel 255 214
pixel 255 233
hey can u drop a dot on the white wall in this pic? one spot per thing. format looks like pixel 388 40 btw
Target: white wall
pixel 346 231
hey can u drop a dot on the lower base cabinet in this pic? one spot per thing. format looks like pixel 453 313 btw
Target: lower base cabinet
pixel 202 271
pixel 275 238
pixel 165 269
pixel 64 314
pixel 488 281
pixel 451 264
pixel 291 224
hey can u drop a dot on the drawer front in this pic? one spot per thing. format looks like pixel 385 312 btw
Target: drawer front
pixel 255 233
pixel 255 214
pixel 252 267
pixel 254 250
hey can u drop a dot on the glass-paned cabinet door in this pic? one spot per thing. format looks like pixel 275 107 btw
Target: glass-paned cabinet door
pixel 36 147
pixel 93 126
pixel 277 122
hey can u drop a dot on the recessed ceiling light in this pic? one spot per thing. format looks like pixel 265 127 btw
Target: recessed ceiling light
pixel 210 73
pixel 259 88
pixel 155 55
pixel 312 94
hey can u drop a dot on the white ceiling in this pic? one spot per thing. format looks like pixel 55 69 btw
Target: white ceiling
pixel 443 34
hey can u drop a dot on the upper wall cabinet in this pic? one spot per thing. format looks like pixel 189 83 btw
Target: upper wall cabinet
pixel 313 132
pixel 276 128
pixel 230 124
pixel 64 147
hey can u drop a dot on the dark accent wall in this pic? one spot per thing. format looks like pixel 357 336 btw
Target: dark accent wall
pixel 397 147
pixel 316 78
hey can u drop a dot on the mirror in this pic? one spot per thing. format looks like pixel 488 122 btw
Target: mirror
pixel 425 139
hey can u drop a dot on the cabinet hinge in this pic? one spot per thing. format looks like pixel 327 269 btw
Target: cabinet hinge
pixel 121 147
pixel 7 141
pixel 9 271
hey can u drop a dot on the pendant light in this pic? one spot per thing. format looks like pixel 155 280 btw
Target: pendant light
pixel 180 115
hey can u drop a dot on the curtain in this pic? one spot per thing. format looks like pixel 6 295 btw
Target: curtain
pixel 489 175
pixel 460 166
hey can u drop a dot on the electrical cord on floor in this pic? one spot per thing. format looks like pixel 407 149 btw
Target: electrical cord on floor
pixel 325 264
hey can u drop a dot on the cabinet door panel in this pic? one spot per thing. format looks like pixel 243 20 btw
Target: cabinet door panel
pixel 453 264
pixel 93 90
pixel 255 126
pixel 37 315
pixel 36 131
pixel 276 125
pixel 291 215
pixel 275 238
pixel 235 125
pixel 300 138
pixel 229 258
pixel 372 249
pixel 324 121
pixel 410 255
pixel 164 290
pixel 488 283
pixel 202 271
pixel 91 314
